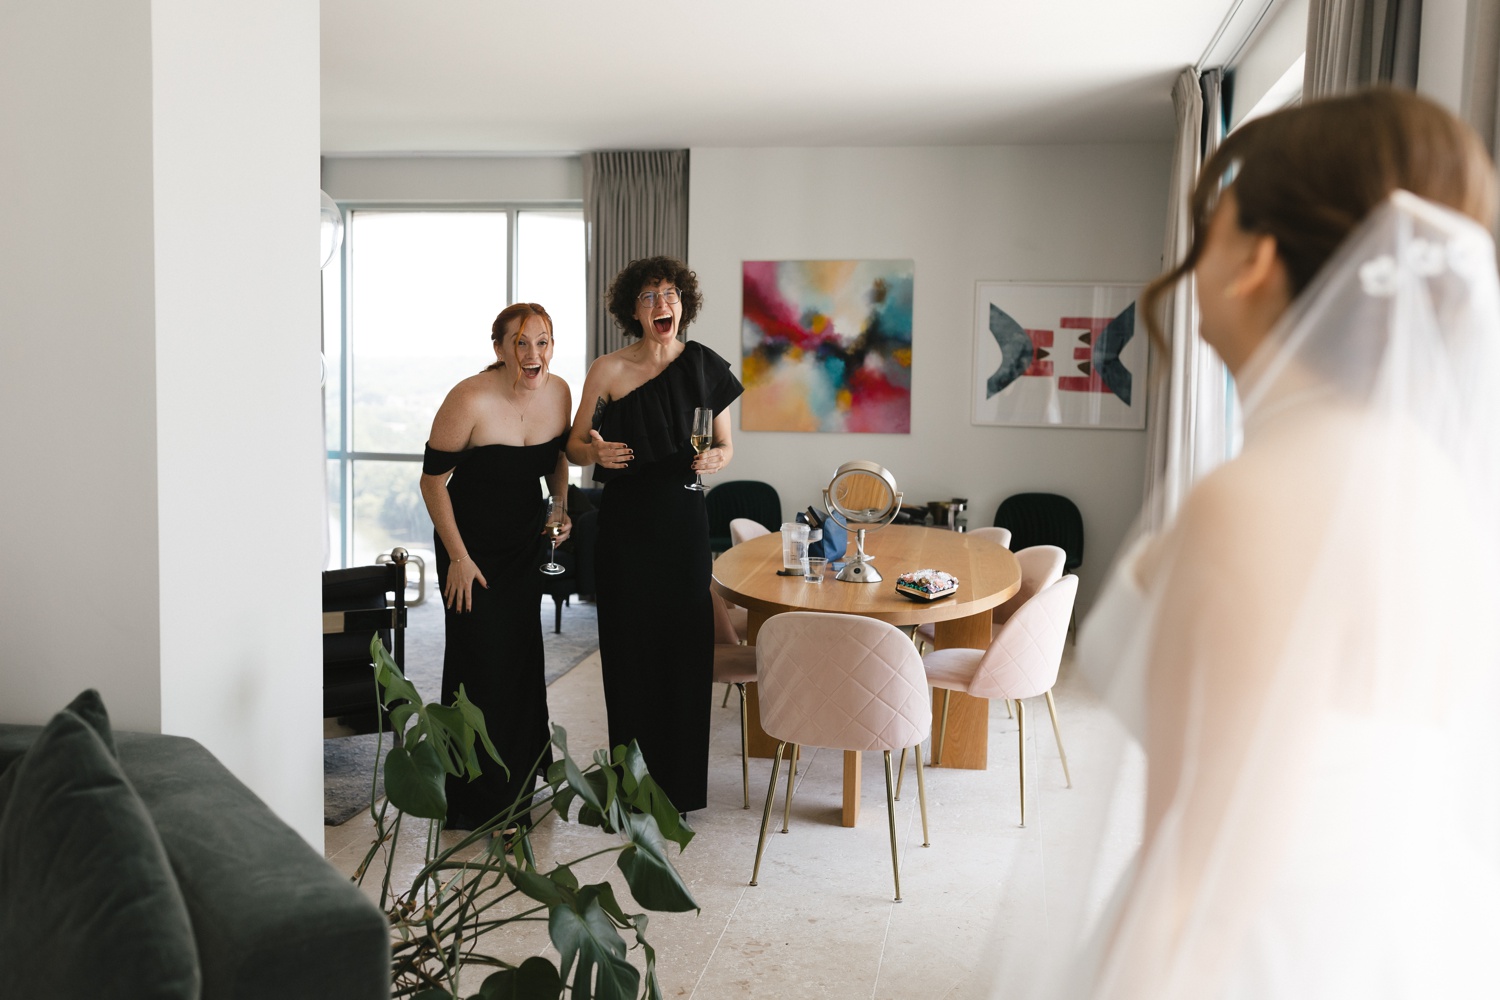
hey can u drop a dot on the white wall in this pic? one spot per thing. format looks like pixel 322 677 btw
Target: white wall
pixel 963 214
pixel 428 179
pixel 1276 45
pixel 159 381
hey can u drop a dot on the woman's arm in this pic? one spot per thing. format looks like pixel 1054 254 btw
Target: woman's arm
pixel 585 446
pixel 451 429
pixel 719 455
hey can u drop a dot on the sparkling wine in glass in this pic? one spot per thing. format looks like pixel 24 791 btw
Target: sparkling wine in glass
pixel 553 528
pixel 702 439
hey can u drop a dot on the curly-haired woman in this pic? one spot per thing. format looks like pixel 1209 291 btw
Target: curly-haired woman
pixel 652 560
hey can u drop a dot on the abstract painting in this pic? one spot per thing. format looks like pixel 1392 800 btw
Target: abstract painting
pixel 827 346
pixel 1059 355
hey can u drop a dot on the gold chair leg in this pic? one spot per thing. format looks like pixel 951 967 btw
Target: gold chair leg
pixel 1008 713
pixel 1052 708
pixel 725 702
pixel 901 769
pixel 744 742
pixel 791 777
pixel 1021 729
pixel 765 819
pixel 890 812
pixel 922 795
pixel 937 752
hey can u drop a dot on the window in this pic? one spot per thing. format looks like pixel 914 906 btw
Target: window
pixel 407 317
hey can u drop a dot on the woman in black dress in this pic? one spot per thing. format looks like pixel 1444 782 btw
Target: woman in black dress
pixel 495 436
pixel 651 559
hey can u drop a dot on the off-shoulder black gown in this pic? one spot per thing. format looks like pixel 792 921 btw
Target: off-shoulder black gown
pixel 652 565
pixel 495 650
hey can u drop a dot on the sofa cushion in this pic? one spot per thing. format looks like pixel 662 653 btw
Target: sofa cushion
pixel 88 903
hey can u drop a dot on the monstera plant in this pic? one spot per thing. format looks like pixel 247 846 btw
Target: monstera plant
pixel 444 921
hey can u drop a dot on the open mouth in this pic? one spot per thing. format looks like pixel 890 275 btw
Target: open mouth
pixel 663 325
pixel 533 371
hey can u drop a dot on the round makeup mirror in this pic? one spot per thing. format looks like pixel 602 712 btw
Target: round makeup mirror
pixel 861 496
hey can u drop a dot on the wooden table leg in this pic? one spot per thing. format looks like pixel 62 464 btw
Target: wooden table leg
pixel 967 745
pixel 853 769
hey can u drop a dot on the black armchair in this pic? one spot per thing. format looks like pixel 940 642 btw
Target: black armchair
pixel 740 498
pixel 1043 519
pixel 358 602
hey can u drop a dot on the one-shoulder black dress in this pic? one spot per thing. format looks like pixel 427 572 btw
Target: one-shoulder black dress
pixel 652 567
pixel 495 650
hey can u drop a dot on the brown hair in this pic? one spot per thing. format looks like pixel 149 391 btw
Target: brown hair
pixel 1308 175
pixel 628 284
pixel 520 312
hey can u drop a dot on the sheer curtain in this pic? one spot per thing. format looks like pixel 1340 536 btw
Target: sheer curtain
pixel 1188 415
pixel 1354 43
pixel 1481 96
pixel 635 204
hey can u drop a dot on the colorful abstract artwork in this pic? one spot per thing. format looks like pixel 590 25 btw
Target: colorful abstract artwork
pixel 1054 355
pixel 827 346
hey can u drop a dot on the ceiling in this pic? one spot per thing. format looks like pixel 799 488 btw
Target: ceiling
pixel 452 76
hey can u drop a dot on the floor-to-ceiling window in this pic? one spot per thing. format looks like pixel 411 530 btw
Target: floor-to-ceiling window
pixel 406 317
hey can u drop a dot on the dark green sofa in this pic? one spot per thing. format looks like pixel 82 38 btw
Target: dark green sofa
pixel 268 916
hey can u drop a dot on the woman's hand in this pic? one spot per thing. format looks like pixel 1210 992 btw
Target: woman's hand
pixel 458 587
pixel 711 461
pixel 610 454
pixel 567 529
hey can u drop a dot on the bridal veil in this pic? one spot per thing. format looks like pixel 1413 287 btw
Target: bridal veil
pixel 1313 669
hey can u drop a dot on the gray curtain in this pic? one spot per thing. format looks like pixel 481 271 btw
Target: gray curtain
pixel 1481 95
pixel 1188 418
pixel 635 204
pixel 1355 43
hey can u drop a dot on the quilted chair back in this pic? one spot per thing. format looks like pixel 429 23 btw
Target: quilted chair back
pixel 742 529
pixel 842 682
pixel 1000 536
pixel 725 634
pixel 1022 660
pixel 1041 567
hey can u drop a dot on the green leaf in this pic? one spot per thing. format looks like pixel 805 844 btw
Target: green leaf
pixel 414 781
pixel 535 979
pixel 541 888
pixel 649 798
pixel 648 871
pixel 581 785
pixel 475 718
pixel 395 684
pixel 455 740
pixel 432 994
pixel 589 937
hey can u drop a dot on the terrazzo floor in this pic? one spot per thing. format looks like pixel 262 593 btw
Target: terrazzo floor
pixel 822 922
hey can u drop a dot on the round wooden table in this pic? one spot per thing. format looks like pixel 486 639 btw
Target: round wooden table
pixel 988 575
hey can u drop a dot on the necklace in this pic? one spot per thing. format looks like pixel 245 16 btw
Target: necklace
pixel 512 404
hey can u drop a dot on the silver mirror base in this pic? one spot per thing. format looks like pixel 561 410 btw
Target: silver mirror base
pixel 859 571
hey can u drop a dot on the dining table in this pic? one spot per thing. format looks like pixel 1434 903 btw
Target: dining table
pixel 988 575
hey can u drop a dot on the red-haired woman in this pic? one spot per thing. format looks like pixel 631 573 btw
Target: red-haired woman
pixel 497 434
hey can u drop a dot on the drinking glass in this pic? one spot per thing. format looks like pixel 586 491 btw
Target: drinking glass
pixel 555 510
pixel 701 440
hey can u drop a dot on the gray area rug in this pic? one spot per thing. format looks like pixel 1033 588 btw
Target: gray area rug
pixel 349 761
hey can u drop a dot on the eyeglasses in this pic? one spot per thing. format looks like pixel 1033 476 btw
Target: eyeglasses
pixel 668 295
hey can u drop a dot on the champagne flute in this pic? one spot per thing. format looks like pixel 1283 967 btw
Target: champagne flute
pixel 701 439
pixel 554 526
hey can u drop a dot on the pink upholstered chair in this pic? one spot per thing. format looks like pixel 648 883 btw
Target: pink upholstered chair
pixel 742 529
pixel 1041 567
pixel 734 664
pixel 845 683
pixel 1000 536
pixel 1021 662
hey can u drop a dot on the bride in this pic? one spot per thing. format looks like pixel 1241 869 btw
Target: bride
pixel 1313 632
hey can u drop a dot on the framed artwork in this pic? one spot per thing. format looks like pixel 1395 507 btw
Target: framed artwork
pixel 1059 355
pixel 826 346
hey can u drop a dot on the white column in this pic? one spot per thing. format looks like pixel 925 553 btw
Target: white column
pixel 158 376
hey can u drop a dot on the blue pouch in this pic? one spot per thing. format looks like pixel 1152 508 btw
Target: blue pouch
pixel 833 543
